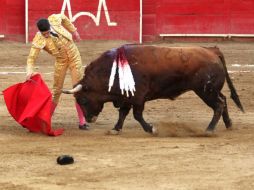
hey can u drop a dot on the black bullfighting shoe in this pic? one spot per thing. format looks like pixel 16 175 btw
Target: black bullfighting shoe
pixel 84 127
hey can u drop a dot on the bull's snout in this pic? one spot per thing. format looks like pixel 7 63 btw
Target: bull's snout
pixel 91 119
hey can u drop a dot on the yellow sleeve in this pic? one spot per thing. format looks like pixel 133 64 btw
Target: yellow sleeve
pixel 37 44
pixel 34 52
pixel 68 24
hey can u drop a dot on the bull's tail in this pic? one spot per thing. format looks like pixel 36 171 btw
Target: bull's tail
pixel 233 95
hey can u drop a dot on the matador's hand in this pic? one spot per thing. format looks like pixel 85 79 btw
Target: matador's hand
pixel 29 75
pixel 76 36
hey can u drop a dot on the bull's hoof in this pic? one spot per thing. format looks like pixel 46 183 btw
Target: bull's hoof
pixel 113 132
pixel 209 133
pixel 155 131
pixel 228 124
pixel 84 127
pixel 93 120
pixel 230 128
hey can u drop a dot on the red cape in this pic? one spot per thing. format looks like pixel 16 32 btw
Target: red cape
pixel 29 103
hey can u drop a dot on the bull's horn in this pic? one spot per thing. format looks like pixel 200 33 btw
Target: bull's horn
pixel 72 91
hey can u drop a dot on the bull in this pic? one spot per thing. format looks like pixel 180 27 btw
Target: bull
pixel 159 73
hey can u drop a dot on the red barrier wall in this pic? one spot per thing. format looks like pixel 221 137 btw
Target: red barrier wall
pixel 205 16
pixel 197 17
pixel 12 19
pixel 159 17
pixel 97 19
pixel 149 30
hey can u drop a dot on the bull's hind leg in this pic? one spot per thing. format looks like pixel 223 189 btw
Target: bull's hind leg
pixel 226 119
pixel 138 115
pixel 123 112
pixel 216 102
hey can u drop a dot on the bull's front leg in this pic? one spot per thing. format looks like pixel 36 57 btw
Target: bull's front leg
pixel 123 112
pixel 138 115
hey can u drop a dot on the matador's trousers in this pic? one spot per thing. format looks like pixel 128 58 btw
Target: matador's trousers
pixel 68 59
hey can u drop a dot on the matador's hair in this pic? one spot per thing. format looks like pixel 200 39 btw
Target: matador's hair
pixel 43 25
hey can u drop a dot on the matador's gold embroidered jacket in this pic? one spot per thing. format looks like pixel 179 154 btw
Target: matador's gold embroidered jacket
pixel 61 47
pixel 62 25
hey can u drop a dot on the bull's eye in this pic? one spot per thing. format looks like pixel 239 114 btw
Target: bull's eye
pixel 85 88
pixel 82 101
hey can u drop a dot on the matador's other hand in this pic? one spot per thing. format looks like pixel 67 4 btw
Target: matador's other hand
pixel 29 75
pixel 76 36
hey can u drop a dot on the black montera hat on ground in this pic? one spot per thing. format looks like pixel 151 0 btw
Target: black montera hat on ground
pixel 43 24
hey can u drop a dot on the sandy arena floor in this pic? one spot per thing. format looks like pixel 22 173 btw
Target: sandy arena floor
pixel 180 158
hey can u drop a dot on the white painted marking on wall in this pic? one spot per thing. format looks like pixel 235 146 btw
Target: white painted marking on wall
pixel 96 19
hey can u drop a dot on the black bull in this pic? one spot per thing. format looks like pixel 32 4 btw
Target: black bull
pixel 159 73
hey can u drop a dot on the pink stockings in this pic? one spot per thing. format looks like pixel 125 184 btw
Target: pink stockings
pixel 82 120
pixel 81 117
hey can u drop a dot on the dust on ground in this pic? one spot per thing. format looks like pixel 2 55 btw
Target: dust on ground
pixel 180 157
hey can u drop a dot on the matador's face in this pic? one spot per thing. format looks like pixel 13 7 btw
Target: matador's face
pixel 46 34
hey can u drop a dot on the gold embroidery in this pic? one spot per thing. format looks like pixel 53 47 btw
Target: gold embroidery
pixel 62 25
pixel 39 41
pixel 63 48
pixel 34 52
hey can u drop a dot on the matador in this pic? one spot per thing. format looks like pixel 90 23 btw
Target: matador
pixel 55 36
